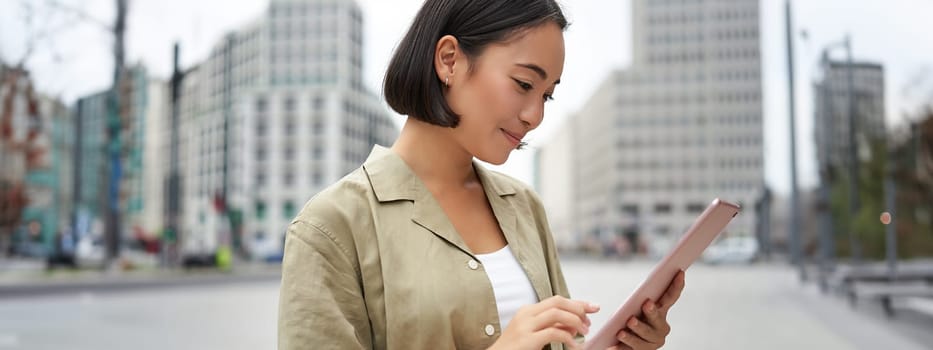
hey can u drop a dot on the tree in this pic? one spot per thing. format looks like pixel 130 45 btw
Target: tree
pixel 12 202
pixel 868 230
pixel 914 175
pixel 912 170
pixel 19 149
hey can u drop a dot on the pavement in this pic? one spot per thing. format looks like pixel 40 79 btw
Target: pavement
pixel 24 278
pixel 761 306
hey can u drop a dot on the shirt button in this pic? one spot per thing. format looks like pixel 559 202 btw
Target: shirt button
pixel 473 264
pixel 490 330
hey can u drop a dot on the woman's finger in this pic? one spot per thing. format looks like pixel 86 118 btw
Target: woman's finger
pixel 555 317
pixel 655 318
pixel 634 341
pixel 620 347
pixel 652 333
pixel 673 292
pixel 556 335
pixel 559 302
pixel 579 307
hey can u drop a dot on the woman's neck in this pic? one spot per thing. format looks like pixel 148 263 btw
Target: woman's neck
pixel 432 153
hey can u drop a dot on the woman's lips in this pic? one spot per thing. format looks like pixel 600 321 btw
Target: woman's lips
pixel 513 139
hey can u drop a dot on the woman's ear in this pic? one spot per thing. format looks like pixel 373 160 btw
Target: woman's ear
pixel 446 53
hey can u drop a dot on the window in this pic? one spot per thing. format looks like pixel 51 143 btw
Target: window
pixel 260 210
pixel 662 208
pixel 289 126
pixel 695 208
pixel 261 104
pixel 260 153
pixel 261 128
pixel 289 103
pixel 289 152
pixel 260 179
pixel 288 178
pixel 288 209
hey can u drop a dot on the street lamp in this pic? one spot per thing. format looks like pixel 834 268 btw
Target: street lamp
pixel 795 244
pixel 826 174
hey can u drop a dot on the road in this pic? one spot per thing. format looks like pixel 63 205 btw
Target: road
pixel 730 307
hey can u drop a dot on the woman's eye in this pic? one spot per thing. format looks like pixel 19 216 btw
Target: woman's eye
pixel 548 97
pixel 525 86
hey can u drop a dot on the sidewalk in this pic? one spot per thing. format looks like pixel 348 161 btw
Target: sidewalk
pixel 27 278
pixel 762 306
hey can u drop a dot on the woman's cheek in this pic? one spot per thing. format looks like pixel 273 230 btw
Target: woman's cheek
pixel 502 97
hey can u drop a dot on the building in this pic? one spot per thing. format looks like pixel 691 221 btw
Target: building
pixel 139 193
pixel 49 185
pixel 555 186
pixel 276 113
pixel 683 125
pixel 35 145
pixel 154 116
pixel 831 127
pixel 90 163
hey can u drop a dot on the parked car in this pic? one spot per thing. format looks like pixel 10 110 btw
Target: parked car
pixel 732 250
pixel 90 250
pixel 63 251
pixel 265 247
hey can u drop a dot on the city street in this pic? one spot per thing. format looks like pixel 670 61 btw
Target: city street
pixel 154 156
pixel 724 307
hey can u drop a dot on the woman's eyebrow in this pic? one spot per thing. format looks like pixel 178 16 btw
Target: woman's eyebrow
pixel 536 69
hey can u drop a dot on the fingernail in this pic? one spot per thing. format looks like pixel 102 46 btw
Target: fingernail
pixel 651 307
pixel 586 330
pixel 593 306
pixel 633 322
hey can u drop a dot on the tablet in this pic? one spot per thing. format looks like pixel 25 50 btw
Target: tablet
pixel 707 226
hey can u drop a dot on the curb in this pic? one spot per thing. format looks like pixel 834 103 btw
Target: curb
pixel 128 282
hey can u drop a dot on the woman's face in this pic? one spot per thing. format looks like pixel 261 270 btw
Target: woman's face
pixel 503 97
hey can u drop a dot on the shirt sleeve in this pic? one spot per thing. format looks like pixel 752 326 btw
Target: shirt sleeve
pixel 321 302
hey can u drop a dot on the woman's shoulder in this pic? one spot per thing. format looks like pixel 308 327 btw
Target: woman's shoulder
pixel 337 207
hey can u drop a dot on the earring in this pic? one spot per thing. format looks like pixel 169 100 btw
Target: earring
pixel 447 81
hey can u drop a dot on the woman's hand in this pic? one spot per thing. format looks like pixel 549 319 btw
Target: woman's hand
pixel 649 331
pixel 553 320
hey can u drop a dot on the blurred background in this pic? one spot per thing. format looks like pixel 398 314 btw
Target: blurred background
pixel 152 154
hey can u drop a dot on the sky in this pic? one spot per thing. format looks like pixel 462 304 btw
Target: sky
pixel 73 57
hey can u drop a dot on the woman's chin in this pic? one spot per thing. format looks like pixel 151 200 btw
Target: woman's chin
pixel 495 159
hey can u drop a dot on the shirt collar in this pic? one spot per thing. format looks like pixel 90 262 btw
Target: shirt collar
pixel 392 179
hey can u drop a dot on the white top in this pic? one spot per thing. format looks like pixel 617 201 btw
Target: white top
pixel 509 283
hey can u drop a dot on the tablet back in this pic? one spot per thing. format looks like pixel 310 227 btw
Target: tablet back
pixel 707 226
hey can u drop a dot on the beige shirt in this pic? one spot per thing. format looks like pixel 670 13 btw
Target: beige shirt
pixel 372 262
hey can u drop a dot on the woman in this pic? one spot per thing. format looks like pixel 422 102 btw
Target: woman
pixel 421 248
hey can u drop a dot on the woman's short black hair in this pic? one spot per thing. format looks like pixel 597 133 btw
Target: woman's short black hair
pixel 411 86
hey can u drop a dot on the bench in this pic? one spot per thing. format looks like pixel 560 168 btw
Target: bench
pixel 886 292
pixel 920 305
pixel 845 276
